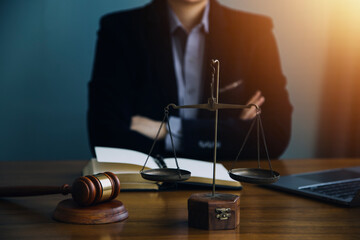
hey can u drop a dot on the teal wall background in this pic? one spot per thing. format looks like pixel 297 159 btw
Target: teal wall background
pixel 46 56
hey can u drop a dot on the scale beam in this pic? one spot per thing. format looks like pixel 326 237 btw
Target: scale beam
pixel 250 175
pixel 212 106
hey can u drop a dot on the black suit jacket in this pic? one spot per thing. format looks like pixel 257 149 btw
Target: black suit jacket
pixel 134 74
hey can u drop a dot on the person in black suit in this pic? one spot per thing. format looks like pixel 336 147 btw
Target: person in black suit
pixel 149 57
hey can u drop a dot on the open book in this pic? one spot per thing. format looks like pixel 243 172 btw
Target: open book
pixel 126 164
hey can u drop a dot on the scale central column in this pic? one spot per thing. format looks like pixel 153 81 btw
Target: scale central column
pixel 214 211
pixel 215 101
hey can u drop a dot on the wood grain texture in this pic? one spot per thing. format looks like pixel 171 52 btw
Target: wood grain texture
pixel 264 214
pixel 202 211
pixel 108 212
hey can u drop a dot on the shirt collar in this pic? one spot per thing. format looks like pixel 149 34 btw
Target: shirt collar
pixel 175 23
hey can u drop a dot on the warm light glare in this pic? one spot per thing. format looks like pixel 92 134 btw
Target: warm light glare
pixel 345 24
pixel 348 10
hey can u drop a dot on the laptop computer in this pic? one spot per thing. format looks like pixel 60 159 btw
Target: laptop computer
pixel 341 186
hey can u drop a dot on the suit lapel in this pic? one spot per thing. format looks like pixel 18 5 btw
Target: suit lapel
pixel 214 48
pixel 160 49
pixel 215 43
pixel 161 57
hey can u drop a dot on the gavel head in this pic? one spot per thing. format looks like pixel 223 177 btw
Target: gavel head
pixel 93 189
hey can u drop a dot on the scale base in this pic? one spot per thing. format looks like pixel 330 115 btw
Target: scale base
pixel 68 211
pixel 219 212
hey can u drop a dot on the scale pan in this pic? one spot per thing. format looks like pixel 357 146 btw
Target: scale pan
pixel 166 175
pixel 254 175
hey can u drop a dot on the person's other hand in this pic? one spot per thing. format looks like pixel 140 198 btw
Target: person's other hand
pixel 147 127
pixel 250 113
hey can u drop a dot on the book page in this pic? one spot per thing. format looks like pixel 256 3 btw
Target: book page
pixel 200 168
pixel 120 155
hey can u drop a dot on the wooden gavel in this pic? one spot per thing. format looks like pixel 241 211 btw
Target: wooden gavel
pixel 86 191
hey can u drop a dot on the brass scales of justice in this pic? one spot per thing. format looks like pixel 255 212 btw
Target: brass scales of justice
pixel 214 210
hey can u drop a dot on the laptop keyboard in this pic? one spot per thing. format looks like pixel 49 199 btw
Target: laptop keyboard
pixel 343 190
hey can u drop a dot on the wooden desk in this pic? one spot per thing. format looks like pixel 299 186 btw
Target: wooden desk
pixel 265 214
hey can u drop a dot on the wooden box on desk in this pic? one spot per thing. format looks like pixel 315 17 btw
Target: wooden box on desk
pixel 218 212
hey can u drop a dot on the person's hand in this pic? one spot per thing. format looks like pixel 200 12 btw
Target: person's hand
pixel 147 127
pixel 250 113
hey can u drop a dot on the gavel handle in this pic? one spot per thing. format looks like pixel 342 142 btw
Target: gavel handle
pixel 33 190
